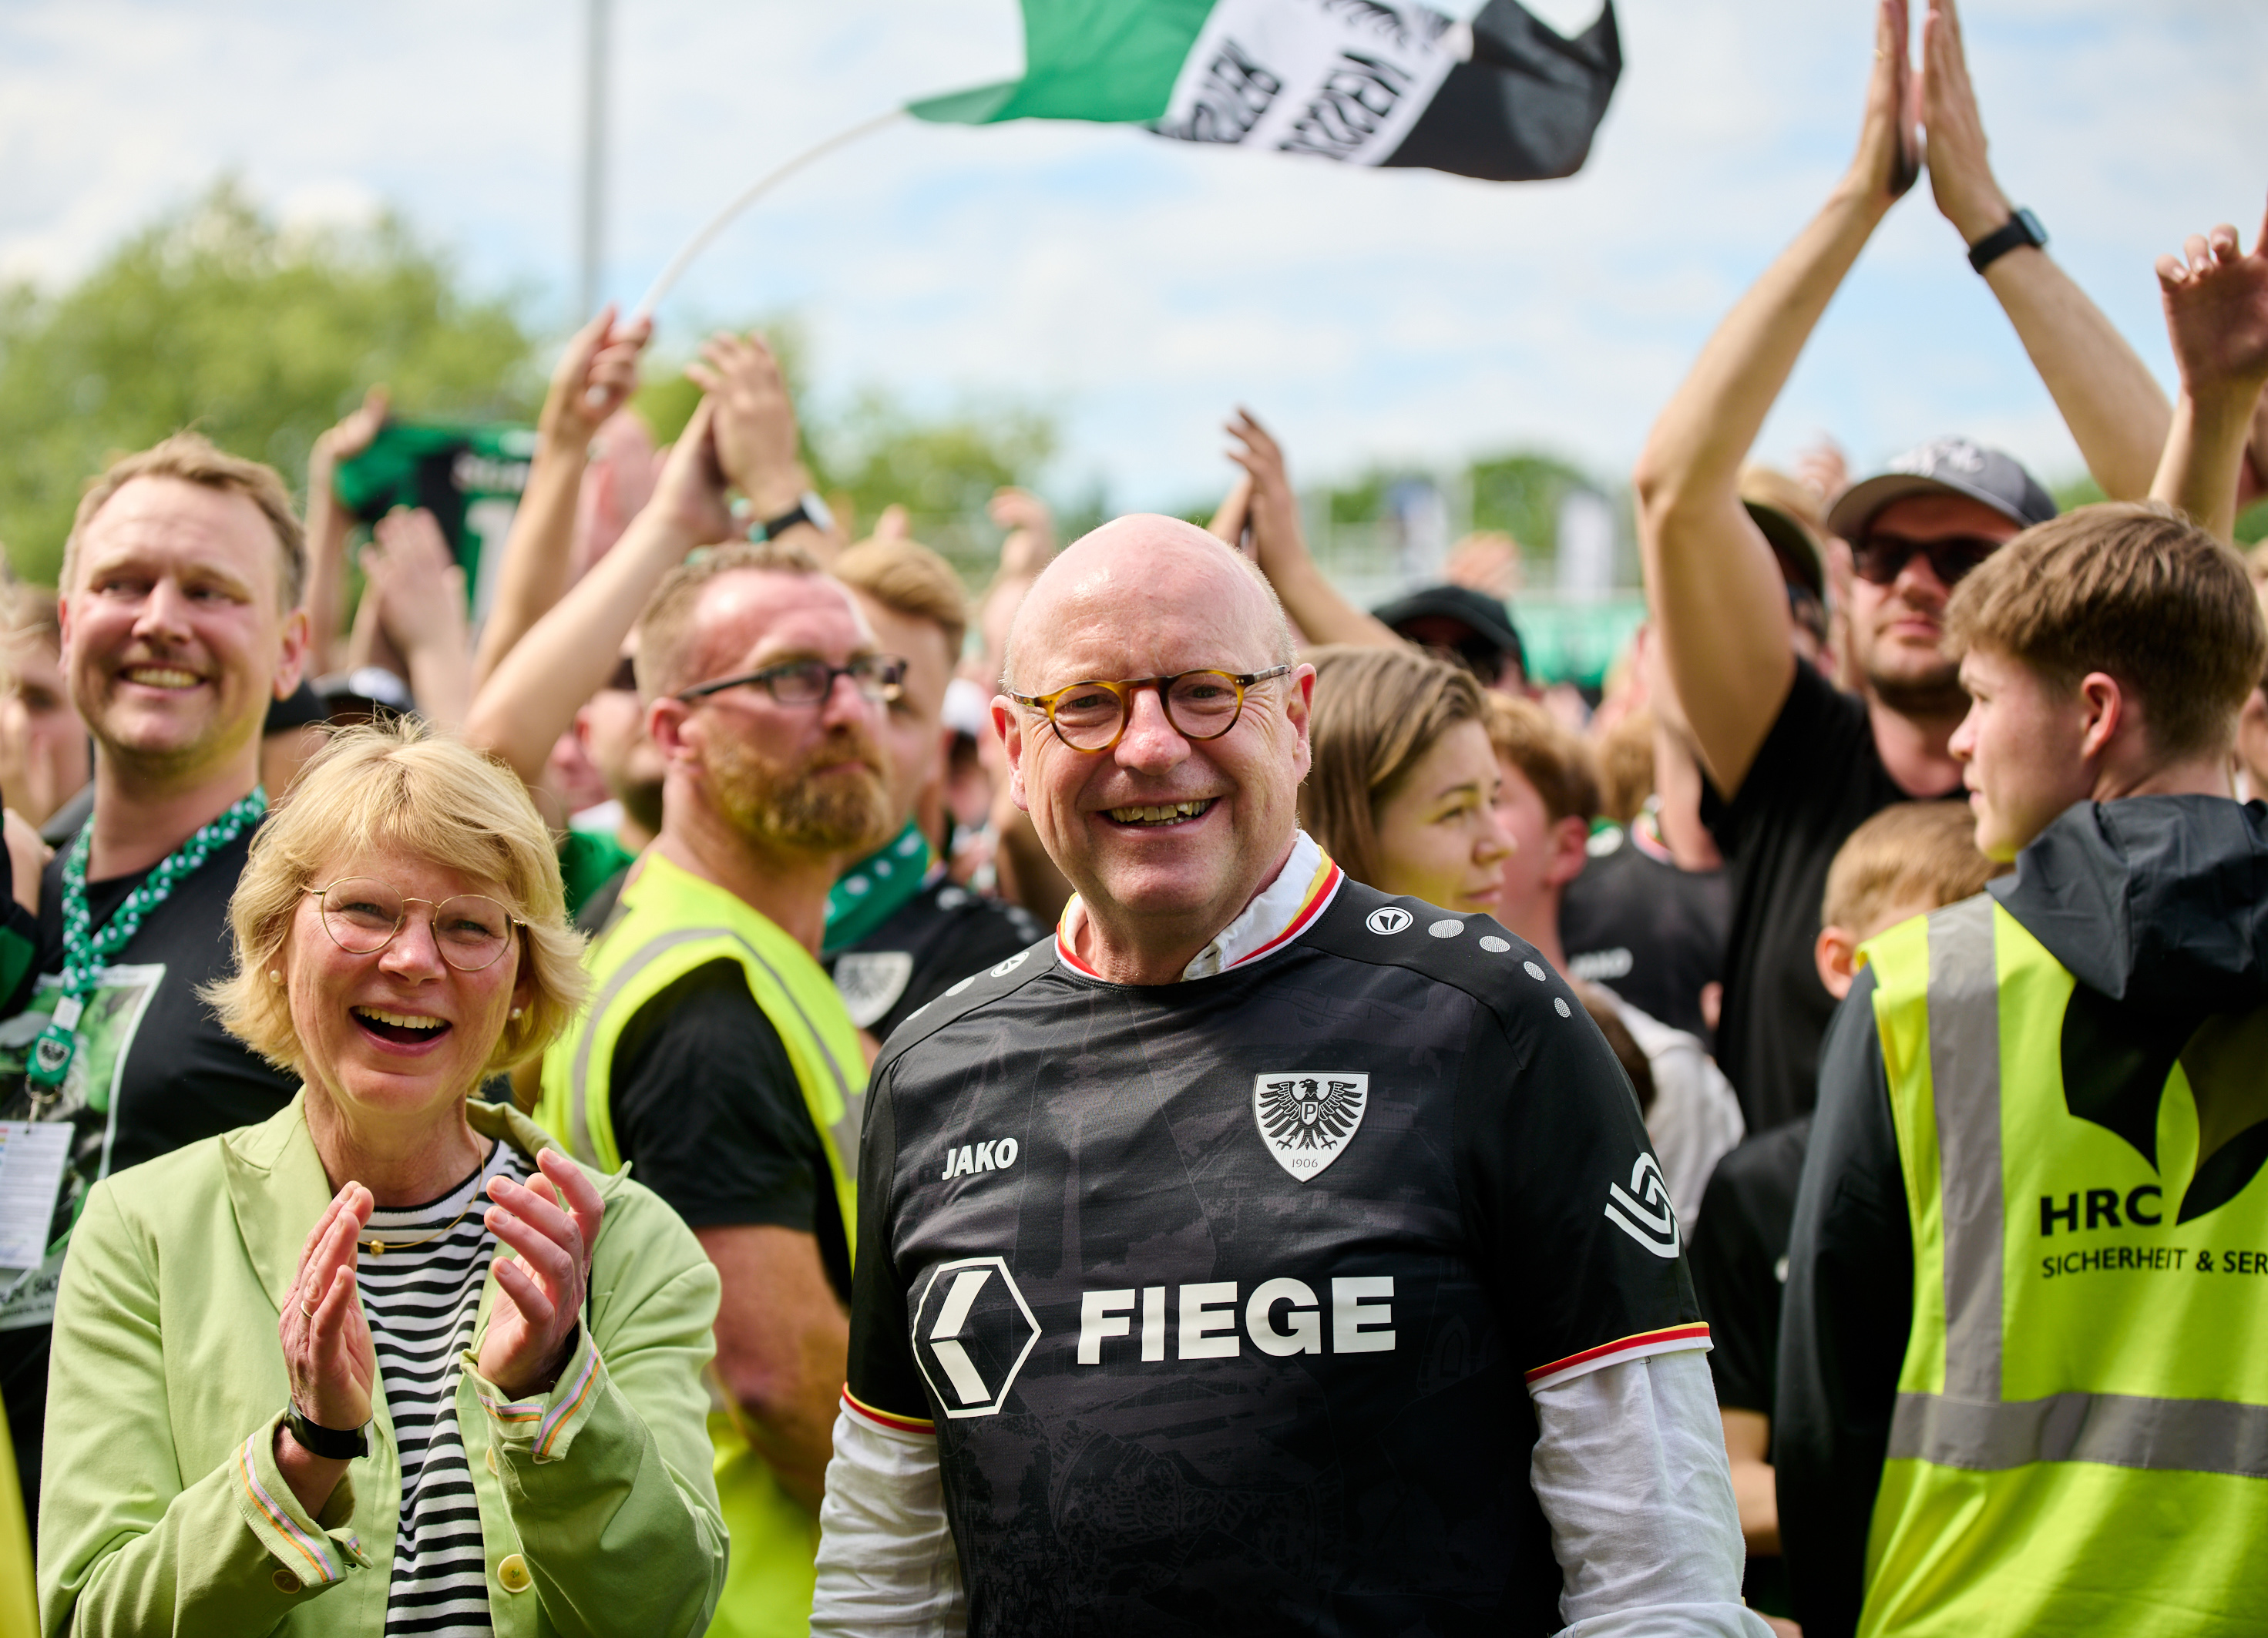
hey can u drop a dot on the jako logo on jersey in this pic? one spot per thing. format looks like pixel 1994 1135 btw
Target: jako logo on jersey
pixel 972 1333
pixel 1392 919
pixel 995 1156
pixel 1305 1120
pixel 1643 1210
pixel 1009 965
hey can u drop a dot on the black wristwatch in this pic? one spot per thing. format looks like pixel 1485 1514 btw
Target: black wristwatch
pixel 2022 228
pixel 338 1443
pixel 809 509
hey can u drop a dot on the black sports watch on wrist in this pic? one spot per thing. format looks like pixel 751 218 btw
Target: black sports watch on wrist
pixel 2021 229
pixel 338 1443
pixel 808 509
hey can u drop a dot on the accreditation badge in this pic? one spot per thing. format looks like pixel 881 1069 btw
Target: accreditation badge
pixel 55 1142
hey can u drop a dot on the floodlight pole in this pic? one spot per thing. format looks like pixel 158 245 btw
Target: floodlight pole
pixel 594 158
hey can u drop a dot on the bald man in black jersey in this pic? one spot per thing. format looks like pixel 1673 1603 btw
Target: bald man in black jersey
pixel 1258 1253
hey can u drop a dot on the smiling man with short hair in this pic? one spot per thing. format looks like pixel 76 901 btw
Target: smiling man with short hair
pixel 179 609
pixel 1261 1252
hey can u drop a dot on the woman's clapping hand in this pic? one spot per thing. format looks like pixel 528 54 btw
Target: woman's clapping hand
pixel 326 1349
pixel 551 1223
pixel 328 1357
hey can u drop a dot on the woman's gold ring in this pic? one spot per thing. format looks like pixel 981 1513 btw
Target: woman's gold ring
pixel 306 1309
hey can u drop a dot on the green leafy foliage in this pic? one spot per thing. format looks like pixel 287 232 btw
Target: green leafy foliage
pixel 1520 495
pixel 217 319
pixel 877 453
pixel 2252 524
pixel 941 469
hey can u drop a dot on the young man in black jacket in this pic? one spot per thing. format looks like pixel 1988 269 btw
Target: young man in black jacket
pixel 2013 1380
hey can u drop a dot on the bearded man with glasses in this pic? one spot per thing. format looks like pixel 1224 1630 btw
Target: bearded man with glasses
pixel 716 1054
pixel 1261 1253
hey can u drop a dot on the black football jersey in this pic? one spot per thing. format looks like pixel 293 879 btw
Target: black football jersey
pixel 1225 1297
pixel 938 936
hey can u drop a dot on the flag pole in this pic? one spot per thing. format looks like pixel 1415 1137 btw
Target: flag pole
pixel 756 190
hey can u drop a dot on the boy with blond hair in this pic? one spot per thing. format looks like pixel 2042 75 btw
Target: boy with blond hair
pixel 1905 861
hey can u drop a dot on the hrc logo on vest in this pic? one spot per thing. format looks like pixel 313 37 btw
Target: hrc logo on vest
pixel 2103 1209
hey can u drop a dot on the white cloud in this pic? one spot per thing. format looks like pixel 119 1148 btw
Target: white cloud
pixel 1142 286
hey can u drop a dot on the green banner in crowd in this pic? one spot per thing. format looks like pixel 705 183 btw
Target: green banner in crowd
pixel 1504 97
pixel 469 477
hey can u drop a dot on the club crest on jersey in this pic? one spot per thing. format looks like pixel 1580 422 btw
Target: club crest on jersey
pixel 871 982
pixel 1643 1210
pixel 1305 1120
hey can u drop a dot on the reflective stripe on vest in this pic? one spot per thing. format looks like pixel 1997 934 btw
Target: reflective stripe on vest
pixel 844 1133
pixel 2080 1436
pixel 1969 1425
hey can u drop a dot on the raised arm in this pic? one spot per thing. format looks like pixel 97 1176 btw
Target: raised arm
pixel 756 437
pixel 1316 606
pixel 420 593
pixel 2217 317
pixel 594 378
pixel 532 698
pixel 1718 604
pixel 2116 410
pixel 327 527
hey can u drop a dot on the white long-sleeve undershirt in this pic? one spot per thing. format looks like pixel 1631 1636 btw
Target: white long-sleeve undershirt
pixel 1629 1469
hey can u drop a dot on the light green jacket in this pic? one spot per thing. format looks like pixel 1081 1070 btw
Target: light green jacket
pixel 161 1507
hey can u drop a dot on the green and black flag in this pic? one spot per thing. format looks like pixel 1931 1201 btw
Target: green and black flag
pixel 1504 97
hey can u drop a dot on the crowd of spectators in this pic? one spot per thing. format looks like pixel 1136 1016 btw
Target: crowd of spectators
pixel 740 783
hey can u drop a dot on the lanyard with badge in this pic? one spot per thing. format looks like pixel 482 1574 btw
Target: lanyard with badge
pixel 86 951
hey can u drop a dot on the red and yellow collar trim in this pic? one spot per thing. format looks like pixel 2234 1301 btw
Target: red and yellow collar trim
pixel 1302 890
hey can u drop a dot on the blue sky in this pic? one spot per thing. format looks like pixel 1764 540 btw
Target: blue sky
pixel 1139 287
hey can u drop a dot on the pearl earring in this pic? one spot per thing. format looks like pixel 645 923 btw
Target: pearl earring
pixel 515 1011
pixel 274 977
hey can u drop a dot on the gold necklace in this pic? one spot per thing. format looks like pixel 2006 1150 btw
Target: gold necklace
pixel 378 1248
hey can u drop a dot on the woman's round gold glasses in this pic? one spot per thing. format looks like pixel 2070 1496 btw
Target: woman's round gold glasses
pixel 363 914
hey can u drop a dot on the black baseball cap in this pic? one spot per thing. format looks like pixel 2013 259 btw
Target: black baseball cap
pixel 1799 561
pixel 1484 615
pixel 1959 467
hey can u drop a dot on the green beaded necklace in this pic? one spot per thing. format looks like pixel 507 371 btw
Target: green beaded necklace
pixel 85 952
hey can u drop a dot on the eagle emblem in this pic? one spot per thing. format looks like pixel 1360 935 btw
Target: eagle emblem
pixel 1305 1120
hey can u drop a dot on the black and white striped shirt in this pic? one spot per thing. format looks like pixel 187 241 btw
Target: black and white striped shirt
pixel 421 1302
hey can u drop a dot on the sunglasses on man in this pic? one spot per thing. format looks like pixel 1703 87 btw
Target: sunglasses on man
pixel 1882 557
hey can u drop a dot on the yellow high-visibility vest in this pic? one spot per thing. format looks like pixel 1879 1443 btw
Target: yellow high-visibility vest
pixel 670 921
pixel 2080 1439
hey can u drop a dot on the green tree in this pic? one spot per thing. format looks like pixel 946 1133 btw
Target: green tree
pixel 1520 494
pixel 2252 524
pixel 942 469
pixel 216 317
pixel 876 452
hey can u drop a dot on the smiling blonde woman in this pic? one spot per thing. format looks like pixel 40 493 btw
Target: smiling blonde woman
pixel 300 1384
